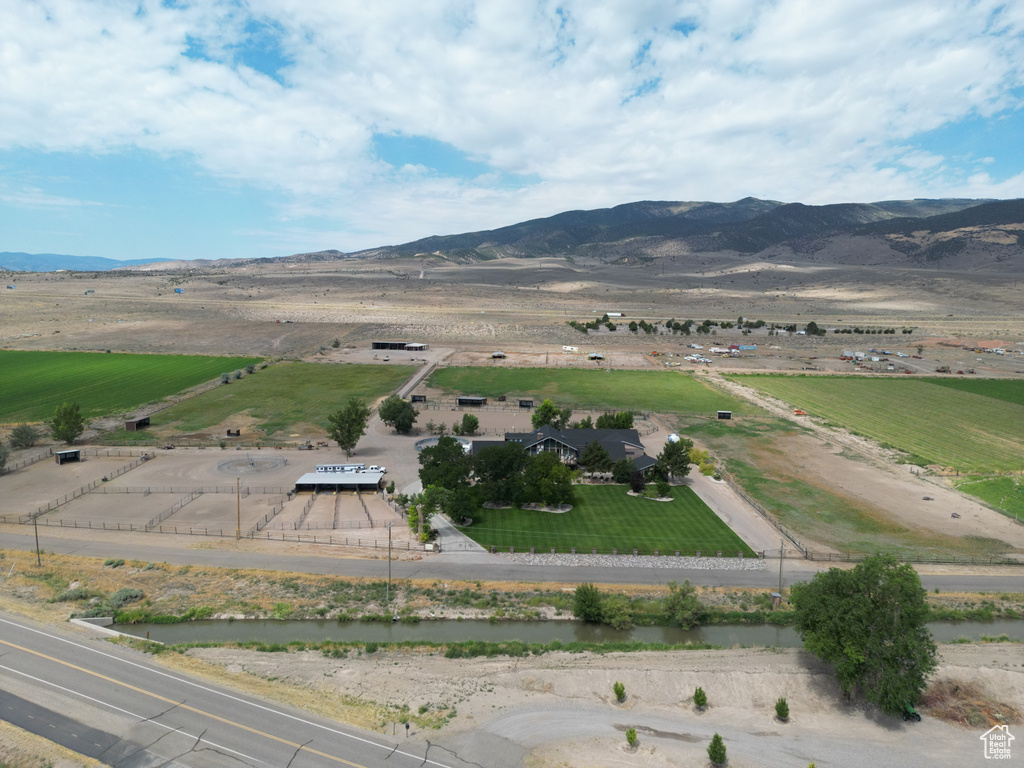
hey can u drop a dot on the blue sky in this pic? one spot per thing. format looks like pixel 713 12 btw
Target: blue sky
pixel 222 128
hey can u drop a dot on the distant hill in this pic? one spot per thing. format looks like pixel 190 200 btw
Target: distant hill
pixel 51 262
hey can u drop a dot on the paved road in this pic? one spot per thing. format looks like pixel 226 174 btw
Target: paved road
pixel 473 566
pixel 112 704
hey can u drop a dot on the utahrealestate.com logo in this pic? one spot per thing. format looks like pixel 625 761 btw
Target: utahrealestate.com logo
pixel 997 742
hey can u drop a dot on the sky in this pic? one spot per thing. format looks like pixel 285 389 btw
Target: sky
pixel 253 128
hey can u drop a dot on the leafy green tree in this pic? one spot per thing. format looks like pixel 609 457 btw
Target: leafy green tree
pixel 499 473
pixel 681 607
pixel 5 454
pixel 631 737
pixel 430 502
pixel 547 480
pixel 595 457
pixel 700 698
pixel 674 459
pixel 548 413
pixel 622 470
pixel 620 420
pixel 250 368
pixel 588 604
pixel 24 436
pixel 398 413
pixel 348 424
pixel 617 612
pixel 225 378
pixel 716 750
pixel 445 464
pixel 585 423
pixel 869 623
pixel 470 424
pixel 67 423
pixel 620 691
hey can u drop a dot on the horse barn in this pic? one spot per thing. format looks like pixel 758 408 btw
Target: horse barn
pixel 408 346
pixel 332 482
pixel 71 454
pixel 134 425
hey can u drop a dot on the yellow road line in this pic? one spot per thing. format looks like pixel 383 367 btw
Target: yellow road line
pixel 182 705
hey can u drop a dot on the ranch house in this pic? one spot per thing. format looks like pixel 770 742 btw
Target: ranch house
pixel 569 443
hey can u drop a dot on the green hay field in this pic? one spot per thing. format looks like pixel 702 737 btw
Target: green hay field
pixel 605 517
pixel 658 391
pixel 285 395
pixel 1004 493
pixel 977 427
pixel 35 383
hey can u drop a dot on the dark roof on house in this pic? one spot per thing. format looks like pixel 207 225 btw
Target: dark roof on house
pixel 612 440
pixel 479 445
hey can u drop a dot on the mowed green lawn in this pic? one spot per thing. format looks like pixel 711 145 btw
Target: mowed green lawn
pixel 605 517
pixel 1004 493
pixel 659 391
pixel 33 384
pixel 975 429
pixel 285 395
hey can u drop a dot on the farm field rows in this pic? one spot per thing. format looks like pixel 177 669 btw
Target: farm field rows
pixel 605 517
pixel 285 395
pixel 659 391
pixel 940 425
pixel 35 383
pixel 1010 390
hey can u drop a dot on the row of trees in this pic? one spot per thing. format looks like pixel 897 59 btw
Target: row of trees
pixel 67 425
pixel 549 414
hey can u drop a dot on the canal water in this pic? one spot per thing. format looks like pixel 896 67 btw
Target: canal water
pixel 446 631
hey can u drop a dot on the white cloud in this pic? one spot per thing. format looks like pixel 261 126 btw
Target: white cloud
pixel 792 100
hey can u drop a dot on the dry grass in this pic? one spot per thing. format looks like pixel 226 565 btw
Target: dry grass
pixel 21 749
pixel 967 704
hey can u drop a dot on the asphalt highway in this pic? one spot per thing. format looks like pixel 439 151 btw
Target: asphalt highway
pixel 111 704
pixel 474 566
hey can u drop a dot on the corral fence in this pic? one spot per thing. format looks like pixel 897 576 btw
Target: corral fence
pixel 837 557
pixel 183 530
pixel 52 505
pixel 27 462
pixel 245 490
pixel 172 509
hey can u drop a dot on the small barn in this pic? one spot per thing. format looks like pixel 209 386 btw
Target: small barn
pixel 470 401
pixel 134 425
pixel 418 399
pixel 526 403
pixel 408 346
pixel 65 457
pixel 725 415
pixel 333 482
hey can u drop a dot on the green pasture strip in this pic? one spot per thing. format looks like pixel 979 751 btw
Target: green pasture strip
pixel 1003 493
pixel 1009 390
pixel 285 395
pixel 35 383
pixel 605 517
pixel 659 391
pixel 755 458
pixel 935 425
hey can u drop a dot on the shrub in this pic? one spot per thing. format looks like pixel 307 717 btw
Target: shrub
pixel 782 709
pixel 664 489
pixel 716 749
pixel 637 481
pixel 620 691
pixel 631 737
pixel 700 698
pixel 587 603
pixel 237 374
pixel 113 563
pixel 336 343
pixel 225 378
pixel 24 436
pixel 250 368
pixel 124 596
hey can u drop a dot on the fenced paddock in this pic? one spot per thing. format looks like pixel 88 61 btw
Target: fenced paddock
pixel 44 482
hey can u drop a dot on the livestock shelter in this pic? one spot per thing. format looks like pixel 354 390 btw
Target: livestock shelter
pixel 418 399
pixel 409 346
pixel 725 415
pixel 72 454
pixel 467 400
pixel 526 403
pixel 332 482
pixel 134 425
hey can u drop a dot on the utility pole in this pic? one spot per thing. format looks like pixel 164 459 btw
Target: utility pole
pixel 35 524
pixel 782 556
pixel 387 601
pixel 238 507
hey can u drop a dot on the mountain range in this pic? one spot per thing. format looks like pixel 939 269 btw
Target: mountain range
pixel 952 233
